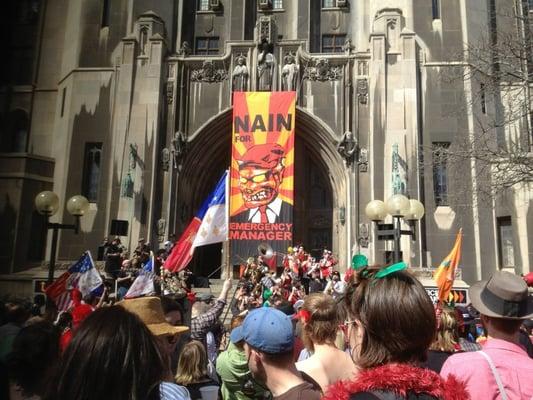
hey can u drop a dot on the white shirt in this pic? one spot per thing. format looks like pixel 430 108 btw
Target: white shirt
pixel 272 211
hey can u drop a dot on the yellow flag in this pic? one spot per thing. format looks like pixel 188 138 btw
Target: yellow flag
pixel 445 274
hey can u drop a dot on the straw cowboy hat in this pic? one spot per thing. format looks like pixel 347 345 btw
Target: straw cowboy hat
pixel 150 311
pixel 504 295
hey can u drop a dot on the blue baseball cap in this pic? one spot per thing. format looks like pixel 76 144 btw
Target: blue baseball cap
pixel 236 334
pixel 268 330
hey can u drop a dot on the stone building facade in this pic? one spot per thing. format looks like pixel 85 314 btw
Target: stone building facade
pixel 129 103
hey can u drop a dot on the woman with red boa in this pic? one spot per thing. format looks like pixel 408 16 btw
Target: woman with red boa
pixel 390 326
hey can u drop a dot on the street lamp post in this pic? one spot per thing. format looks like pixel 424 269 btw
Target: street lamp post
pixel 398 206
pixel 47 204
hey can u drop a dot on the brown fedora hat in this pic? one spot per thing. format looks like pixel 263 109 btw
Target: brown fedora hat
pixel 150 311
pixel 504 295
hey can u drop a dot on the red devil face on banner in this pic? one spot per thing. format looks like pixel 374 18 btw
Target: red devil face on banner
pixel 261 174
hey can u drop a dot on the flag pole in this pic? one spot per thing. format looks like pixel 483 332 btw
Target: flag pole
pixel 229 267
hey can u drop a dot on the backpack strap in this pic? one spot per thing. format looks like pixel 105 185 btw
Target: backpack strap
pixel 495 374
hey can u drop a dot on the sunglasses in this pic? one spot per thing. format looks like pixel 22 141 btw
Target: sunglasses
pixel 346 325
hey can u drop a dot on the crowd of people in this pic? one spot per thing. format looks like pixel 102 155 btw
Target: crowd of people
pixel 300 330
pixel 122 267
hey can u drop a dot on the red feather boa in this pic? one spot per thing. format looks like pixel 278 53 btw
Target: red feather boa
pixel 400 379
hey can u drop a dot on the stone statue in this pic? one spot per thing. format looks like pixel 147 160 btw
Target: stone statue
pixel 240 75
pixel 289 73
pixel 347 147
pixel 185 49
pixel 161 225
pixel 399 184
pixel 265 67
pixel 179 143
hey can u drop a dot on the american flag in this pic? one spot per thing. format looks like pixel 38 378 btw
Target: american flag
pixel 81 275
pixel 59 293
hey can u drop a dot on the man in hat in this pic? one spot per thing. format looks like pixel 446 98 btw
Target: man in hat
pixel 232 368
pixel 502 369
pixel 268 343
pixel 204 317
pixel 142 251
pixel 464 322
pixel 112 255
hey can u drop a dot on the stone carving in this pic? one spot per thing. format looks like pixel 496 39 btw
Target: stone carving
pixel 161 225
pixel 362 90
pixel 392 33
pixel 208 73
pixel 362 68
pixel 171 70
pixel 363 235
pixel 240 75
pixel 185 49
pixel 347 147
pixel 266 29
pixel 363 159
pixel 165 159
pixel 348 47
pixel 170 92
pixel 179 143
pixel 290 73
pixel 143 39
pixel 265 67
pixel 322 71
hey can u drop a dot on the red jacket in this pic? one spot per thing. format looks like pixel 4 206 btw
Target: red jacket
pixel 400 379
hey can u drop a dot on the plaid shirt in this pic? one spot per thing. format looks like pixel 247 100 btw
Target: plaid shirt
pixel 203 323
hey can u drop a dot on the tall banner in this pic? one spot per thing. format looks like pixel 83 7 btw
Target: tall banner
pixel 262 172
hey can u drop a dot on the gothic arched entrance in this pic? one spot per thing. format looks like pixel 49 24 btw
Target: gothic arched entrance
pixel 320 185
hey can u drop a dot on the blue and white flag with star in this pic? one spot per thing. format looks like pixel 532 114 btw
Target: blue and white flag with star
pixel 143 285
pixel 85 277
pixel 214 226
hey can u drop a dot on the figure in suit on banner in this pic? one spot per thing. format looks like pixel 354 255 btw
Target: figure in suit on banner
pixel 260 176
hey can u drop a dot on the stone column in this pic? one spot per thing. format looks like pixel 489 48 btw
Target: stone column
pixel 377 116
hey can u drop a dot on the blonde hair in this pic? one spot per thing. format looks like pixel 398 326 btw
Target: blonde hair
pixel 192 366
pixel 447 336
pixel 322 326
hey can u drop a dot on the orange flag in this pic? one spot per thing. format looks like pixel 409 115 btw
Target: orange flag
pixel 445 274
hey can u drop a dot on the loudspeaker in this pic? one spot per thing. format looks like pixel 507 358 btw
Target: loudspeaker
pixel 119 227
